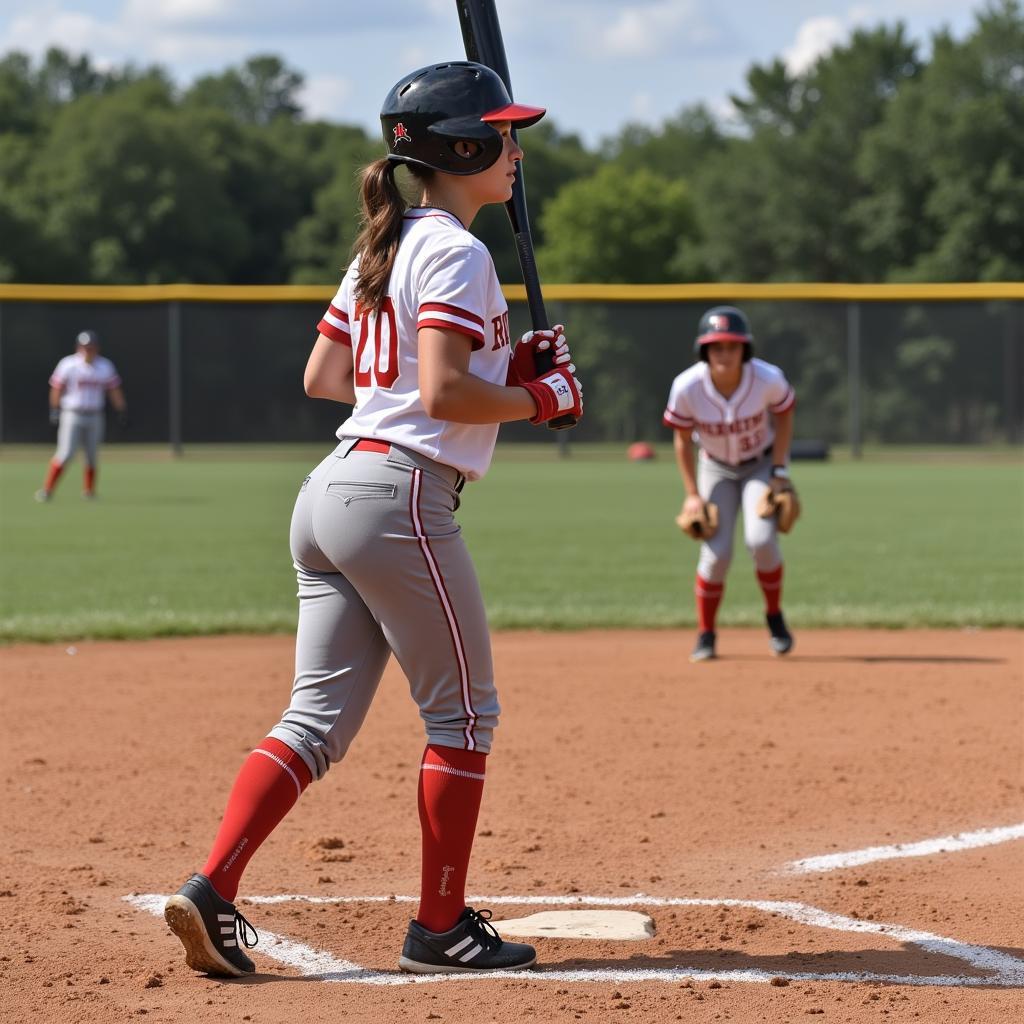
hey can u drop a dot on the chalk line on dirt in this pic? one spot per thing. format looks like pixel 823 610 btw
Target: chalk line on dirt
pixel 924 848
pixel 1001 970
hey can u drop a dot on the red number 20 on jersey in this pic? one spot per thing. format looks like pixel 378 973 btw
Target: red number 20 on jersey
pixel 377 363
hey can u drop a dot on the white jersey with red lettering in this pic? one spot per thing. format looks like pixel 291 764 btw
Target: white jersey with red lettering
pixel 734 429
pixel 85 385
pixel 442 277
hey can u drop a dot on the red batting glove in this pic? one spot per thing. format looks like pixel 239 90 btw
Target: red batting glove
pixel 522 366
pixel 556 393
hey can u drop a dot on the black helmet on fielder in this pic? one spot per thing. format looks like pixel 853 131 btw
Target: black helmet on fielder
pixel 432 109
pixel 723 323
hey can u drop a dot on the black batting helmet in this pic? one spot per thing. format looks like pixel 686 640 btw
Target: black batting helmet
pixel 432 109
pixel 723 323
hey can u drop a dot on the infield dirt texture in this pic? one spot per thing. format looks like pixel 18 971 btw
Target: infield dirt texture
pixel 621 777
pixel 618 770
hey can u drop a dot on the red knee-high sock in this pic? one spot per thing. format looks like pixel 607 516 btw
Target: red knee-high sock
pixel 709 596
pixel 90 479
pixel 771 586
pixel 269 783
pixel 450 789
pixel 53 475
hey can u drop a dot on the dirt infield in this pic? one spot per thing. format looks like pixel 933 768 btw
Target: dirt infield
pixel 622 776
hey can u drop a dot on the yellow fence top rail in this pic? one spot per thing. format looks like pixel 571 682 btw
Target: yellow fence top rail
pixel 966 291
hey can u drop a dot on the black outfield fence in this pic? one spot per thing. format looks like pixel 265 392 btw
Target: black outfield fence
pixel 936 364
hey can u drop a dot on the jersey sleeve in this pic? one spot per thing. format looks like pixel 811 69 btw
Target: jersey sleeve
pixel 59 377
pixel 453 290
pixel 334 324
pixel 678 413
pixel 779 395
pixel 112 378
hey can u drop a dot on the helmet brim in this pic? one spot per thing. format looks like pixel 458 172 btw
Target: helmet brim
pixel 707 339
pixel 519 114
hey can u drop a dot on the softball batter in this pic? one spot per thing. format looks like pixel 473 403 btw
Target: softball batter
pixel 78 392
pixel 417 338
pixel 739 411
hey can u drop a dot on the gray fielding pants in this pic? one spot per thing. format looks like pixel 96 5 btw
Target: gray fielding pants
pixel 731 487
pixel 382 568
pixel 79 430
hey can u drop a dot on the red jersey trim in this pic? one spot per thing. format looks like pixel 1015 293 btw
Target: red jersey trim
pixel 670 419
pixel 448 325
pixel 787 403
pixel 444 307
pixel 342 337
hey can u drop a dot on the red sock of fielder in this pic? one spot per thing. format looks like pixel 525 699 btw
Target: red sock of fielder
pixel 53 475
pixel 451 786
pixel 771 587
pixel 709 597
pixel 89 478
pixel 269 783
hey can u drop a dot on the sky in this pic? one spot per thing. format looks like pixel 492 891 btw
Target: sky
pixel 595 64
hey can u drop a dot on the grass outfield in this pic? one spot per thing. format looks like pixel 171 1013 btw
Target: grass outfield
pixel 199 544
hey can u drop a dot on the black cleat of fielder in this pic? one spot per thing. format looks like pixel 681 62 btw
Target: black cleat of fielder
pixel 705 649
pixel 781 639
pixel 210 929
pixel 472 946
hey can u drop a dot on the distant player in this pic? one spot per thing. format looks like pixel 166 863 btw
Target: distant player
pixel 417 338
pixel 79 387
pixel 739 411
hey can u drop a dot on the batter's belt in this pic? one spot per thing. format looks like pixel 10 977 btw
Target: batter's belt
pixel 743 462
pixel 407 456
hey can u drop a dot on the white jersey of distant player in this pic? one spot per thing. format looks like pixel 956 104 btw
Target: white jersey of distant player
pixel 442 277
pixel 85 385
pixel 733 429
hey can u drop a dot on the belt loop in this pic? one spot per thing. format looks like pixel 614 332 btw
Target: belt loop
pixel 346 446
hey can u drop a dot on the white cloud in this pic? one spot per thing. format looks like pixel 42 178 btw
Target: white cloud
pixel 650 29
pixel 47 25
pixel 299 17
pixel 820 35
pixel 814 38
pixel 327 97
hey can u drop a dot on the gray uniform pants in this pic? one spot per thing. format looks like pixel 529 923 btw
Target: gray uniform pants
pixel 79 430
pixel 382 567
pixel 731 487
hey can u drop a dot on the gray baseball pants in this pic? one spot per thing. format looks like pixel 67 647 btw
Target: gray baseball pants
pixel 730 488
pixel 382 568
pixel 79 430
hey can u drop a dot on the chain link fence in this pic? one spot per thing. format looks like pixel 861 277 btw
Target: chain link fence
pixel 926 364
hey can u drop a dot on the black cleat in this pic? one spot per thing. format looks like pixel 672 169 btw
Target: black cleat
pixel 781 639
pixel 207 926
pixel 705 649
pixel 471 947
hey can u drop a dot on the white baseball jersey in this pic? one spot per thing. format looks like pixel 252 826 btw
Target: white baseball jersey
pixel 85 385
pixel 733 429
pixel 442 277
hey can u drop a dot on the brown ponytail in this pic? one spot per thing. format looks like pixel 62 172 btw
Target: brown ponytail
pixel 380 230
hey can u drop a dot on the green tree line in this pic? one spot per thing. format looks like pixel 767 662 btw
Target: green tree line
pixel 874 164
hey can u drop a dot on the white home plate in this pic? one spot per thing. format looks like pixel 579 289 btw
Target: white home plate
pixel 580 924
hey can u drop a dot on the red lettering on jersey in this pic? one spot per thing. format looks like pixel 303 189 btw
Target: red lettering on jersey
pixel 381 364
pixel 500 326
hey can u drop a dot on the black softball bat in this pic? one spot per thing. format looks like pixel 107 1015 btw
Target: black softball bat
pixel 481 34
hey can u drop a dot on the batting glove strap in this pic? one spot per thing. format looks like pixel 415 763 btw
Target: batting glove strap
pixel 555 393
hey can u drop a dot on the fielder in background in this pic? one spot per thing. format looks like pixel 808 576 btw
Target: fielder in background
pixel 739 411
pixel 78 393
pixel 417 338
